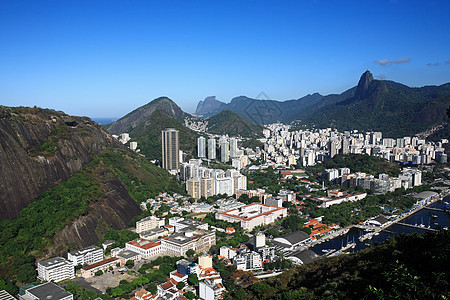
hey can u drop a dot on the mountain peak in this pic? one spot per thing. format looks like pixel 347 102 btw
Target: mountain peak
pixel 141 114
pixel 363 85
pixel 209 104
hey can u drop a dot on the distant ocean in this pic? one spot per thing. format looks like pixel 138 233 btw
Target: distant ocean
pixel 104 121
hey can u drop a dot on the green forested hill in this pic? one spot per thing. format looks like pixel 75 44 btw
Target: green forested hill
pixel 141 115
pixel 148 135
pixel 407 267
pixel 229 122
pixel 389 107
pixel 89 193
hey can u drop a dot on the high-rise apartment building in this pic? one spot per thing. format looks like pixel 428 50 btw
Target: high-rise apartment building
pixel 212 148
pixel 233 148
pixel 224 146
pixel 170 150
pixel 201 147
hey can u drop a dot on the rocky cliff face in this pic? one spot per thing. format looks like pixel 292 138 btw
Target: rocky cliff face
pixel 362 90
pixel 210 104
pixel 39 148
pixel 115 211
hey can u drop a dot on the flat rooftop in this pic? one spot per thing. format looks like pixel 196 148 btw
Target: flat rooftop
pixel 49 291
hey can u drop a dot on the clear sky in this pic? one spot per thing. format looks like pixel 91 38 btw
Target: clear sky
pixel 106 58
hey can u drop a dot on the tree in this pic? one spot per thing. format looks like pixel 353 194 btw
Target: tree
pixel 89 295
pixel 180 285
pixel 98 273
pixel 75 289
pixel 190 253
pixel 110 268
pixel 189 295
pixel 152 288
pixel 129 264
pixel 193 279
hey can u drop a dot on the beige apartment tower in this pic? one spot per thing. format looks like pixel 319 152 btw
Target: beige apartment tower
pixel 170 150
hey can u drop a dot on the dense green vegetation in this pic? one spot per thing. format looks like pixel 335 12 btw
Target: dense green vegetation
pixel 358 163
pixel 142 179
pixel 32 232
pixel 229 122
pixel 407 267
pixel 120 237
pixel 264 179
pixel 252 144
pixel 148 135
pixel 22 239
pixel 392 108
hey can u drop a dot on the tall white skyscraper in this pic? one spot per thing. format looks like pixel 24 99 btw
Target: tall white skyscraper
pixel 201 147
pixel 212 148
pixel 224 146
pixel 170 150
pixel 233 148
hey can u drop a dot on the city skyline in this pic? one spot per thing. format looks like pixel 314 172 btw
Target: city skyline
pixel 105 59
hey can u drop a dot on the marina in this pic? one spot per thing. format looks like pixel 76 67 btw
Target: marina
pixel 421 219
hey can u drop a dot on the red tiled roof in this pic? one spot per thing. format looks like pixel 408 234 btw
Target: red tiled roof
pixel 146 246
pixel 178 274
pixel 100 263
pixel 167 285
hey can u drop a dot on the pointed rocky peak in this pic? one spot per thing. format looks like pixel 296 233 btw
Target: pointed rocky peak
pixel 363 85
pixel 208 105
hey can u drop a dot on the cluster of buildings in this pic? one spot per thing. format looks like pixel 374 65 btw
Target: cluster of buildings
pixel 175 239
pixel 125 138
pixel 58 268
pixel 283 147
pixel 202 181
pixel 210 282
pixel 156 239
pixel 409 178
pixel 246 259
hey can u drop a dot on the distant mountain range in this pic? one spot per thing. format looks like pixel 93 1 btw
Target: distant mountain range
pixel 387 106
pixel 229 122
pixel 144 124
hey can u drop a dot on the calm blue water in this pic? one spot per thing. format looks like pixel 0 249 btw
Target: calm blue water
pixel 425 216
pixel 104 121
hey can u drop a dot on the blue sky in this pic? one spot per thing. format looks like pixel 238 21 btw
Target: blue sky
pixel 106 58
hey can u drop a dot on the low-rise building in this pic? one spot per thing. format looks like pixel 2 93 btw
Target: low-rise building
pixel 103 266
pixel 182 224
pixel 253 215
pixel 209 290
pixel 336 197
pixel 198 240
pixel 126 255
pixel 144 247
pixel 154 233
pixel 85 256
pixel 149 223
pixel 290 241
pixel 46 291
pixel 55 269
pixel 228 252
